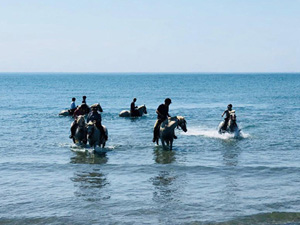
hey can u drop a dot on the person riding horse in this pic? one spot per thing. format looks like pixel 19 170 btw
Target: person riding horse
pixel 84 99
pixel 227 116
pixel 80 111
pixel 162 114
pixel 73 106
pixel 95 116
pixel 133 109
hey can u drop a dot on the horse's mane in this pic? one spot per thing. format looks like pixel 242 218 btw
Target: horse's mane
pixel 79 119
pixel 181 119
pixel 141 106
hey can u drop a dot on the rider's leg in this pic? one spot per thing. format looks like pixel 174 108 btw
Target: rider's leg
pixel 156 130
pixel 102 131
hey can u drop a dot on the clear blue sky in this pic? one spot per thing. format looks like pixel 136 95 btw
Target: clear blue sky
pixel 150 36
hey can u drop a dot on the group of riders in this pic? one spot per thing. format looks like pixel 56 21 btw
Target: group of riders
pixel 162 114
pixel 93 115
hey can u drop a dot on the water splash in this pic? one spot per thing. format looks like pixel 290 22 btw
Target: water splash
pixel 213 133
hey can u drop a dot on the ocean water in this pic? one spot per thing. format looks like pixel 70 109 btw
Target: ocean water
pixel 207 179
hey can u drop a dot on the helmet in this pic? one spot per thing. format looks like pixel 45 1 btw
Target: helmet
pixel 73 99
pixel 168 101
pixel 229 106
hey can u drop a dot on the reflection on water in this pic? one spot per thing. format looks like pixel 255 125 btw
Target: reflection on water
pixel 231 153
pixel 89 182
pixel 230 157
pixel 90 185
pixel 163 156
pixel 87 158
pixel 231 196
pixel 165 187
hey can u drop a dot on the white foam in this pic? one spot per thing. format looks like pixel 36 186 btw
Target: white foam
pixel 213 133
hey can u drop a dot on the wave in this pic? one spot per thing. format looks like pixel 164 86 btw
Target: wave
pixel 213 133
pixel 87 149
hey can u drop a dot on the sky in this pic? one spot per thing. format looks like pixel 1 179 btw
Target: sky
pixel 150 36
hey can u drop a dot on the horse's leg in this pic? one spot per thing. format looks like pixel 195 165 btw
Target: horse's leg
pixel 163 143
pixel 171 144
pixel 103 145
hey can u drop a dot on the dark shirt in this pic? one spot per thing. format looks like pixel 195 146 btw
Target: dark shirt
pixel 164 110
pixel 85 108
pixel 132 107
pixel 227 114
pixel 94 116
pixel 78 112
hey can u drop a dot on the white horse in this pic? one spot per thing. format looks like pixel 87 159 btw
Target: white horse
pixel 65 112
pixel 80 133
pixel 167 130
pixel 232 127
pixel 94 136
pixel 141 110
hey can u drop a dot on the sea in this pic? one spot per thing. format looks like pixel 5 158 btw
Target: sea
pixel 208 178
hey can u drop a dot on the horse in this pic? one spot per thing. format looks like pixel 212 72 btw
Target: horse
pixel 81 131
pixel 232 127
pixel 167 130
pixel 98 106
pixel 86 108
pixel 141 110
pixel 94 136
pixel 66 112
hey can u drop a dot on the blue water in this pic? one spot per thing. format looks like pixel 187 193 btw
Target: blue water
pixel 207 179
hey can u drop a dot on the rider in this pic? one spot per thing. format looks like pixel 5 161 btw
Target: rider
pixel 95 116
pixel 133 108
pixel 84 106
pixel 73 106
pixel 227 116
pixel 84 99
pixel 162 114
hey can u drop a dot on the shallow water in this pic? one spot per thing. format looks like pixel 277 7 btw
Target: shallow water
pixel 207 179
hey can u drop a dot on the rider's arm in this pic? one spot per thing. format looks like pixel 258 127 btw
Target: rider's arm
pixel 223 113
pixel 159 114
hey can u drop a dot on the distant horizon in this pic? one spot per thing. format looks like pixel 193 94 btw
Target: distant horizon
pixel 157 73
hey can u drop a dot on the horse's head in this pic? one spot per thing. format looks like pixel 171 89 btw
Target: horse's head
pixel 80 121
pixel 145 109
pixel 181 123
pixel 90 128
pixel 98 106
pixel 142 110
pixel 232 115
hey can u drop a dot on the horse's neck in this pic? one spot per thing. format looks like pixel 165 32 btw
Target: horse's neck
pixel 96 131
pixel 82 125
pixel 141 109
pixel 171 124
pixel 231 123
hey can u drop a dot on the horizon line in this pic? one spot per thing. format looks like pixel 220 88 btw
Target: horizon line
pixel 152 72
